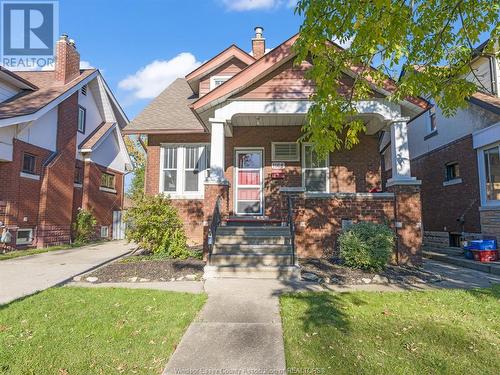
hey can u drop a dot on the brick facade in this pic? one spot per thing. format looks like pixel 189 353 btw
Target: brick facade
pixel 48 202
pixel 462 199
pixel 318 220
pixel 490 222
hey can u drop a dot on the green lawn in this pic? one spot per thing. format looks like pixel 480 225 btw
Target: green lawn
pixel 434 332
pixel 94 331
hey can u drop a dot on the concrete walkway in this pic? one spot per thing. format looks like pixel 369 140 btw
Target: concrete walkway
pixel 238 330
pixel 24 276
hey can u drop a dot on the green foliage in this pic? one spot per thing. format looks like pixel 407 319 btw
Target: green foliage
pixel 136 152
pixel 84 226
pixel 366 246
pixel 154 224
pixel 437 37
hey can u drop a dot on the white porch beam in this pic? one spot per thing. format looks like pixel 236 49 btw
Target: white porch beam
pixel 400 155
pixel 217 151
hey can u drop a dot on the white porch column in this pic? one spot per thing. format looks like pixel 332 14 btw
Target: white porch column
pixel 217 151
pixel 400 155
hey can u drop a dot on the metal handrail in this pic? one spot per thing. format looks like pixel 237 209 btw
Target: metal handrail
pixel 216 220
pixel 291 224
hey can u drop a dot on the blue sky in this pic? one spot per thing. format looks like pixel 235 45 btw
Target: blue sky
pixel 167 38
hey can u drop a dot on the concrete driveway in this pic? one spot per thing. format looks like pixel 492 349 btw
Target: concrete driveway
pixel 23 276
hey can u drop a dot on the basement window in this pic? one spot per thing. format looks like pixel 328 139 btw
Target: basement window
pixel 24 237
pixel 29 163
pixel 104 231
pixel 452 171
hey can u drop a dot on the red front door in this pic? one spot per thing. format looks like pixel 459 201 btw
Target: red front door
pixel 248 182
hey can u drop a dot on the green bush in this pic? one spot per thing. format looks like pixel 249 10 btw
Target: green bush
pixel 84 227
pixel 367 246
pixel 154 225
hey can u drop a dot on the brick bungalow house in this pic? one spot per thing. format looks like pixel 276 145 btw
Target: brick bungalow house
pixel 61 148
pixel 457 159
pixel 222 143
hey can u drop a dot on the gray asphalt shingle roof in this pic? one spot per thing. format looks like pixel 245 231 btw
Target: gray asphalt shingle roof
pixel 169 111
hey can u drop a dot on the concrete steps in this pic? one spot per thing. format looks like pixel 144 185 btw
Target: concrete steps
pixel 252 251
pixel 493 267
pixel 455 251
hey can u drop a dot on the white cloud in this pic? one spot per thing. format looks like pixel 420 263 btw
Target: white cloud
pixel 151 80
pixel 85 65
pixel 244 5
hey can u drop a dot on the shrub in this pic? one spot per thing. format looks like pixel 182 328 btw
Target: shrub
pixel 154 225
pixel 84 226
pixel 366 246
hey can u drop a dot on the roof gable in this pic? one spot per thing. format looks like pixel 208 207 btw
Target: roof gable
pixel 232 52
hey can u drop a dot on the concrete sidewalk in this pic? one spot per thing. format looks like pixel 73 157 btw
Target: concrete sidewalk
pixel 24 276
pixel 239 329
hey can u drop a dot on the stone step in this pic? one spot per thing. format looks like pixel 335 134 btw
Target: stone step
pixel 493 267
pixel 251 260
pixel 252 240
pixel 262 272
pixel 253 230
pixel 251 249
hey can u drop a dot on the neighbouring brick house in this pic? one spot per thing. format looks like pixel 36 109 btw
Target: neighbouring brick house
pixel 61 148
pixel 457 159
pixel 229 131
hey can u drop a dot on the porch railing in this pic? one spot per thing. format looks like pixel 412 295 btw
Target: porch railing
pixel 291 225
pixel 215 223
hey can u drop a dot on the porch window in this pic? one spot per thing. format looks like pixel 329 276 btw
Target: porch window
pixel 183 169
pixel 315 171
pixel 491 181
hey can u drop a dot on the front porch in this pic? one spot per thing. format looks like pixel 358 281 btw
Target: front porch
pixel 256 164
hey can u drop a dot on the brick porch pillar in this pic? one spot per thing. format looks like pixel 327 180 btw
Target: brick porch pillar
pixel 408 224
pixel 212 191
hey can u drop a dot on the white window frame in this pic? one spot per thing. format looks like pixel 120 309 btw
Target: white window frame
pixel 29 242
pixel 238 150
pixel 273 151
pixel 82 109
pixel 214 78
pixel 179 193
pixel 327 169
pixel 482 176
pixel 104 228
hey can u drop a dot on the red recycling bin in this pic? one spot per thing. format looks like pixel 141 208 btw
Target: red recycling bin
pixel 485 256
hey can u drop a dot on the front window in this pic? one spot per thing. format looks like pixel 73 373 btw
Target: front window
pixel 108 180
pixel 315 176
pixel 492 173
pixel 184 168
pixel 82 114
pixel 29 163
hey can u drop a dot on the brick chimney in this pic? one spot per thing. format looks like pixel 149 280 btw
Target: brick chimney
pixel 258 43
pixel 67 60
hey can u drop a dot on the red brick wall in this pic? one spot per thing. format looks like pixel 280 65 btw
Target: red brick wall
pixel 101 203
pixel 67 62
pixel 443 205
pixel 356 170
pixel 319 220
pixel 56 193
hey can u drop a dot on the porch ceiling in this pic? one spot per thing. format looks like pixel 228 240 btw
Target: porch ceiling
pixel 268 120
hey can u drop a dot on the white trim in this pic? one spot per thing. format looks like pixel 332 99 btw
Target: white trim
pixel 77 185
pixel 29 242
pixel 33 116
pixel 179 193
pixel 30 176
pixel 367 196
pixel 107 190
pixel 403 181
pixel 235 179
pixel 482 176
pixel 292 189
pixel 213 78
pixel 303 169
pixel 486 136
pixel 455 181
pixel 273 151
